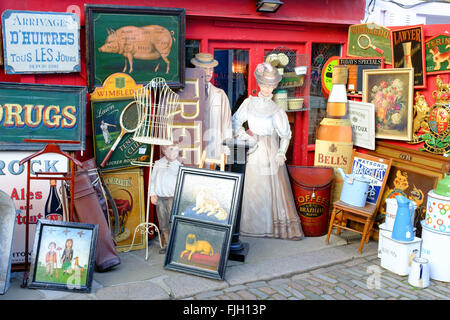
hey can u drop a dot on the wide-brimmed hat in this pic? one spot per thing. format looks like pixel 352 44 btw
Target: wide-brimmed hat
pixel 204 60
pixel 266 74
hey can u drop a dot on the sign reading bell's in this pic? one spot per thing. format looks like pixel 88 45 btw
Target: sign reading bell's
pixel 40 42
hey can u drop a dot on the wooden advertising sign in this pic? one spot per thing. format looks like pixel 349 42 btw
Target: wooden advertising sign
pixel 107 104
pixel 40 111
pixel 437 54
pixel 408 52
pixel 369 40
pixel 355 71
pixel 127 190
pixel 41 42
pixel 189 118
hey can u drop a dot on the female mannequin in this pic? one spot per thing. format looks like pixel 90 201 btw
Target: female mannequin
pixel 268 208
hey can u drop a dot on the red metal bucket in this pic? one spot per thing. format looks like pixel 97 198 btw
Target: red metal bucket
pixel 311 187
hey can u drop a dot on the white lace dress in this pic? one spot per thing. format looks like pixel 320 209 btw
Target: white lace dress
pixel 268 208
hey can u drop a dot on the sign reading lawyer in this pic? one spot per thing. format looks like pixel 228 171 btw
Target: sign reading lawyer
pixel 40 42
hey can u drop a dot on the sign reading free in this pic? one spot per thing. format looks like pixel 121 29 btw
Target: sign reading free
pixel 40 42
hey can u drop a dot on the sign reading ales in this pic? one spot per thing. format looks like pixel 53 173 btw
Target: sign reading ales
pixel 41 112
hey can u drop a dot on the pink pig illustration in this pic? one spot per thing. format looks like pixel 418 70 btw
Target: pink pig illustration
pixel 143 43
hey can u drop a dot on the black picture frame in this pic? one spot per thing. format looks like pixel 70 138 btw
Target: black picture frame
pixel 223 188
pixel 76 277
pixel 199 248
pixel 104 20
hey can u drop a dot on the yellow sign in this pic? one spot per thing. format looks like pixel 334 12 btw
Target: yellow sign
pixel 117 86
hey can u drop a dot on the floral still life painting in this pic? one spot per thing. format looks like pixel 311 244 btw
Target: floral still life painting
pixel 391 92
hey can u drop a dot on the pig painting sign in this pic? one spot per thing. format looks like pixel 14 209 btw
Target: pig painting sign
pixel 13 181
pixel 144 42
pixel 40 42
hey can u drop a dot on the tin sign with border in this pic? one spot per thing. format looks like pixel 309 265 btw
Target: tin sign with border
pixel 41 42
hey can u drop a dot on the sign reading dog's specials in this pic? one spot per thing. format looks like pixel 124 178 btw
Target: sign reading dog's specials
pixel 36 111
pixel 40 42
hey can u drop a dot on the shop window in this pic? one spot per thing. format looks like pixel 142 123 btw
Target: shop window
pixel 192 47
pixel 320 53
pixel 231 75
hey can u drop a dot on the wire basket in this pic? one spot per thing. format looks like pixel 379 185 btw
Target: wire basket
pixel 157 104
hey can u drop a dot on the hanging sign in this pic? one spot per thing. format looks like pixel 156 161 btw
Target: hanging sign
pixel 369 40
pixel 437 54
pixel 39 111
pixel 41 42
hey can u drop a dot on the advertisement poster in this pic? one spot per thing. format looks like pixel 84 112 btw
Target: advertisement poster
pixel 374 171
pixel 408 52
pixel 369 40
pixel 127 189
pixel 362 118
pixel 41 42
pixel 437 54
pixel 13 181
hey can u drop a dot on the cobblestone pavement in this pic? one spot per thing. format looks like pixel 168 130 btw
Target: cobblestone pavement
pixel 358 279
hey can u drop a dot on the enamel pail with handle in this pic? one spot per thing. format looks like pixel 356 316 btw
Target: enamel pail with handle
pixel 403 227
pixel 354 189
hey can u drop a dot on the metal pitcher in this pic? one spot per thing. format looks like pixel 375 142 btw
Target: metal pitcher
pixel 403 227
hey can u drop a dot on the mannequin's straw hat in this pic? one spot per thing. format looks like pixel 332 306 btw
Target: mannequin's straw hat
pixel 204 60
pixel 266 74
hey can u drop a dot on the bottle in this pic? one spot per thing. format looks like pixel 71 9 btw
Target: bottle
pixel 334 139
pixel 53 206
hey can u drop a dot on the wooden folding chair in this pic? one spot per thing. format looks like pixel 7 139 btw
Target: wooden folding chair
pixel 342 212
pixel 212 162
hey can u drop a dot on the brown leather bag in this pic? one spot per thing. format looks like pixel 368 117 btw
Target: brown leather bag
pixel 89 210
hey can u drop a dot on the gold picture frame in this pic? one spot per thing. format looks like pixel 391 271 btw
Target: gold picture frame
pixel 391 91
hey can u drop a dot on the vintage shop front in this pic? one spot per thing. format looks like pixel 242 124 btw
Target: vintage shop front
pixel 240 38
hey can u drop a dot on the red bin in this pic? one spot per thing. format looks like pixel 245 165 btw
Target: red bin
pixel 311 187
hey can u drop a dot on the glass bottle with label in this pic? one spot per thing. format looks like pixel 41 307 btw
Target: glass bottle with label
pixel 334 142
pixel 53 206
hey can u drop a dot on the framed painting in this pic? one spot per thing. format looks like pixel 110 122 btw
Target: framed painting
pixel 355 70
pixel 198 247
pixel 408 51
pixel 391 91
pixel 145 42
pixel 437 54
pixel 362 118
pixel 42 111
pixel 207 195
pixel 127 190
pixel 63 256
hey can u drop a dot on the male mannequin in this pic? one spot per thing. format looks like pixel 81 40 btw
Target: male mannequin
pixel 218 111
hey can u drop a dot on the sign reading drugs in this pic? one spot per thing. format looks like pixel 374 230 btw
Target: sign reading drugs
pixel 40 42
pixel 36 111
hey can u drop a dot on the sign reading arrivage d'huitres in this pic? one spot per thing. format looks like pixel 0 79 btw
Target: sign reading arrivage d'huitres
pixel 36 111
pixel 40 42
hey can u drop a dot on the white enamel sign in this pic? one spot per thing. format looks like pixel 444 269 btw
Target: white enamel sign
pixel 40 42
pixel 362 118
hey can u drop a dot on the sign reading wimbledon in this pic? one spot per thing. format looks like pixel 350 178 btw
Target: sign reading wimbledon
pixel 40 42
